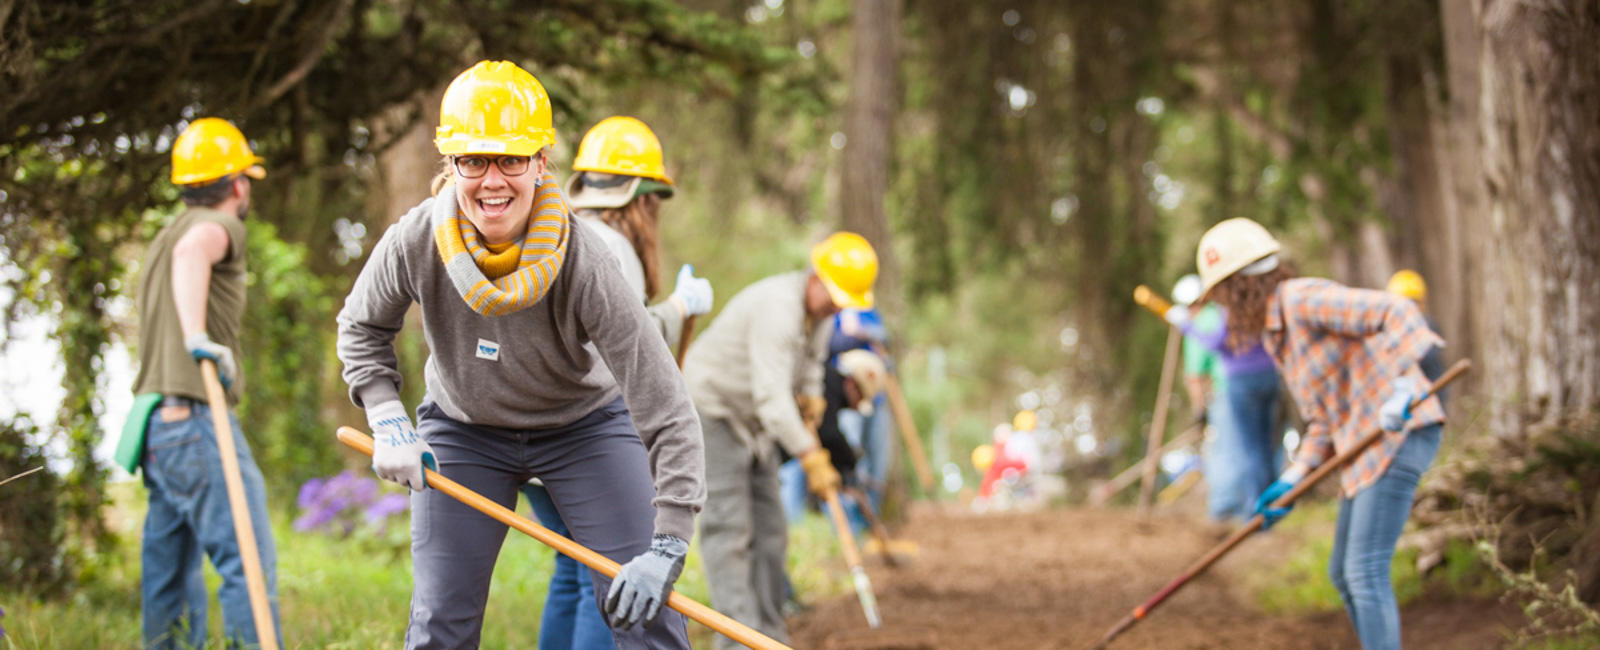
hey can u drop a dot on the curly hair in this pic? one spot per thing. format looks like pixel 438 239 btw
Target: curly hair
pixel 1245 298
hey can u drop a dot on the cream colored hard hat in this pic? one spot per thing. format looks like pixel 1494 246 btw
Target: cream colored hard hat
pixel 869 373
pixel 1229 247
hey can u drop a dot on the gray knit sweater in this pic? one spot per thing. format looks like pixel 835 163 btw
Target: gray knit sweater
pixel 587 341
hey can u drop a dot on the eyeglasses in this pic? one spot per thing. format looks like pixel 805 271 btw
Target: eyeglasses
pixel 477 166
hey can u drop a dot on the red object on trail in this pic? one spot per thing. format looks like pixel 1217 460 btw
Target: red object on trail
pixel 1254 524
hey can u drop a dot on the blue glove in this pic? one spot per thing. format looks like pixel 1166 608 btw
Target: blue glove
pixel 693 294
pixel 645 582
pixel 1269 514
pixel 202 347
pixel 1396 410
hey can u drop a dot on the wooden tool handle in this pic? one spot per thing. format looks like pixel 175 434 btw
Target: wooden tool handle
pixel 243 524
pixel 711 618
pixel 1151 300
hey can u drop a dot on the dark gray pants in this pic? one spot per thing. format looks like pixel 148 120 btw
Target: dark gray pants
pixel 743 533
pixel 596 472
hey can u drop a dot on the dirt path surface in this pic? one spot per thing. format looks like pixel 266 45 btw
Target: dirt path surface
pixel 1061 578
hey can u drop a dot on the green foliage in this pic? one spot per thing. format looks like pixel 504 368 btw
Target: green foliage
pixel 334 593
pixel 288 315
pixel 32 527
pixel 1299 583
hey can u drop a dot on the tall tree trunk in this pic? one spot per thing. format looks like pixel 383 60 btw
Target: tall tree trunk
pixel 1463 188
pixel 869 130
pixel 1539 297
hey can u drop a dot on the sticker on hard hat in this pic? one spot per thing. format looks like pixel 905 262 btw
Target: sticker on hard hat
pixel 486 146
pixel 1212 256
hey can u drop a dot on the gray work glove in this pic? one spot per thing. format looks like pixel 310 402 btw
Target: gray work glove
pixel 1396 410
pixel 398 453
pixel 643 584
pixel 202 347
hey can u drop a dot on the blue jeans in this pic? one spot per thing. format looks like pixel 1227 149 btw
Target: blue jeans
pixel 873 437
pixel 570 619
pixel 1363 541
pixel 189 516
pixel 792 489
pixel 1245 457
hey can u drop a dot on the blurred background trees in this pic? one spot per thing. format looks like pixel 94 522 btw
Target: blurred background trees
pixel 1020 166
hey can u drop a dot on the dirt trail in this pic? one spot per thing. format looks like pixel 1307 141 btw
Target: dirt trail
pixel 1061 578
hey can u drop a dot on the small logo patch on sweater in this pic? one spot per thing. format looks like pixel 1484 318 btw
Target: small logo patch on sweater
pixel 488 350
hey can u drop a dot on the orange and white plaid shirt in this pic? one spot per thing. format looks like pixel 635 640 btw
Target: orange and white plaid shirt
pixel 1341 350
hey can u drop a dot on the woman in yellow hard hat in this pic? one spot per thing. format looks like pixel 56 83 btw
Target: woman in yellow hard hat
pixel 1350 358
pixel 542 364
pixel 617 187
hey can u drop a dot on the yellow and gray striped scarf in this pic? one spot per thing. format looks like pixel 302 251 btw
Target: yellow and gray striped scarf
pixel 542 250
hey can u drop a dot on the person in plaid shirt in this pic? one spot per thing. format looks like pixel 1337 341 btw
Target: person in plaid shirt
pixel 1350 358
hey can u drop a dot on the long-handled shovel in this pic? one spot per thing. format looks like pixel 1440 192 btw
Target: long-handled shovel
pixel 852 556
pixel 711 618
pixel 243 526
pixel 1255 522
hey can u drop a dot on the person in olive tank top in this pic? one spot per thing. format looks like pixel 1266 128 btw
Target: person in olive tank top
pixel 191 305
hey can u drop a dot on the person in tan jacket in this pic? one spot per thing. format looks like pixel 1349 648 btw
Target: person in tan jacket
pixel 744 372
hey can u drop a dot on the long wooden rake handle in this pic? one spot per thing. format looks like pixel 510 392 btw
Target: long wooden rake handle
pixel 908 432
pixel 1255 522
pixel 243 525
pixel 684 337
pixel 711 618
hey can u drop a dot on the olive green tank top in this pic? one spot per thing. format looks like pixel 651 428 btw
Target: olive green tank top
pixel 164 363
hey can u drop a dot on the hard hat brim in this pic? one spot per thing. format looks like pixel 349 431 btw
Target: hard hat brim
pixel 256 171
pixel 844 299
pixel 589 196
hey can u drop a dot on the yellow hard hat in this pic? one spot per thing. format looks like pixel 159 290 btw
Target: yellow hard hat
pixel 212 148
pixel 621 145
pixel 494 107
pixel 1408 283
pixel 983 457
pixel 847 266
pixel 1230 246
pixel 1025 420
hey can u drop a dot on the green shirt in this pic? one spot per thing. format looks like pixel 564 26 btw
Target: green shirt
pixel 164 363
pixel 1200 360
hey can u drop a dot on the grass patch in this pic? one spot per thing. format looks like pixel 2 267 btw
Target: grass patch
pixel 344 593
pixel 1299 583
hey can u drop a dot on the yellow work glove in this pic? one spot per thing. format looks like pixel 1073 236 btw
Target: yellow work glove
pixel 821 477
pixel 811 409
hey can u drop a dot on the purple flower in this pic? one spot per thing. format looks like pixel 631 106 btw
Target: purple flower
pixel 342 502
pixel 390 504
pixel 308 492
